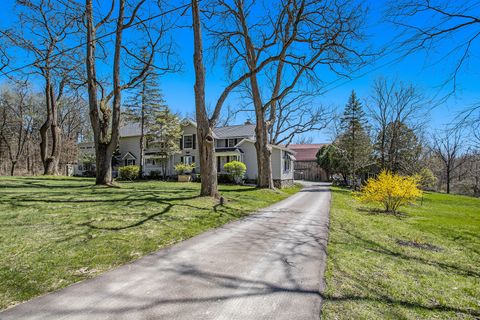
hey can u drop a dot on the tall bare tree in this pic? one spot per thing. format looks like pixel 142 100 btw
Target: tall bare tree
pixel 105 105
pixel 396 110
pixel 448 147
pixel 206 122
pixel 291 41
pixel 297 113
pixel 45 27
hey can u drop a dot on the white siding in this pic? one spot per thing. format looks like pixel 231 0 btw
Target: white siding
pixel 276 164
pixel 132 145
pixel 250 159
pixel 188 130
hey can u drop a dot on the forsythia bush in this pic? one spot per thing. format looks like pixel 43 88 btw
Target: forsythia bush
pixel 129 172
pixel 235 170
pixel 182 168
pixel 390 190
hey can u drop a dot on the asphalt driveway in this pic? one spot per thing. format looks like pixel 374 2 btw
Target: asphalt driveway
pixel 269 265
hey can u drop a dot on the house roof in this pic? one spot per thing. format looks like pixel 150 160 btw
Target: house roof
pixel 230 149
pixel 243 130
pixel 130 129
pixel 306 152
pixel 276 146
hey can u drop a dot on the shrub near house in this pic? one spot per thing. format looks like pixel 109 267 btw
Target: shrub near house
pixel 129 173
pixel 235 170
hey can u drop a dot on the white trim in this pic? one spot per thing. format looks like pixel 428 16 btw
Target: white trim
pixel 129 154
pixel 275 146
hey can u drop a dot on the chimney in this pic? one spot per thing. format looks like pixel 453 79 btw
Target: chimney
pixel 248 121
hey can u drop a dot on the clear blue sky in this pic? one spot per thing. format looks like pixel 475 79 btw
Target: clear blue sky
pixel 428 73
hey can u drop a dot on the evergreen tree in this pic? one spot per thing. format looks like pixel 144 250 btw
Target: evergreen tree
pixel 166 132
pixel 354 139
pixel 401 149
pixel 144 106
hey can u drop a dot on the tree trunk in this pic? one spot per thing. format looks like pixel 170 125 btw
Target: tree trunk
pixel 12 168
pixel 50 161
pixel 44 143
pixel 448 180
pixel 103 162
pixel 142 130
pixel 206 148
pixel 264 153
pixel 208 171
pixel 56 137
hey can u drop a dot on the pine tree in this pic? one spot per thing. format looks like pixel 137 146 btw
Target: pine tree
pixel 144 106
pixel 165 135
pixel 354 139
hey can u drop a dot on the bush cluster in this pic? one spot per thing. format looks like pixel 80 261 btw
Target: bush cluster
pixel 129 173
pixel 182 168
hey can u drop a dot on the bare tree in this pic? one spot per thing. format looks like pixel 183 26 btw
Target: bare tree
pixel 452 27
pixel 45 26
pixel 291 41
pixel 394 106
pixel 303 140
pixel 105 105
pixel 206 122
pixel 4 57
pixel 428 25
pixel 16 121
pixel 447 146
pixel 297 114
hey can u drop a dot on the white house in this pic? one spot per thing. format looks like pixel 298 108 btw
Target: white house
pixel 231 143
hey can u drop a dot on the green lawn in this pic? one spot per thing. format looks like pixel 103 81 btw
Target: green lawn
pixel 57 231
pixel 424 264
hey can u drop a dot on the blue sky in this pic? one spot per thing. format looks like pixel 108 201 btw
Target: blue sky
pixel 428 72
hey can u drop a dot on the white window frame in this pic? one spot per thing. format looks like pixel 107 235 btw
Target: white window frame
pixel 188 160
pixel 187 135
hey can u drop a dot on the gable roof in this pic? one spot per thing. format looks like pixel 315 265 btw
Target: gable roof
pixel 242 130
pixel 306 152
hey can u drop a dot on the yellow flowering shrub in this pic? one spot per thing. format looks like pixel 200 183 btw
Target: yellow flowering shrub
pixel 390 190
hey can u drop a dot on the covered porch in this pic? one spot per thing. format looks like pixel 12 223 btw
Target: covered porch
pixel 225 155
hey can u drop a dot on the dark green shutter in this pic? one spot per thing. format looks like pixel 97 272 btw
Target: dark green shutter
pixel 181 143
pixel 194 138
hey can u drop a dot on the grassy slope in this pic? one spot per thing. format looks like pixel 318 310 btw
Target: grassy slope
pixel 370 276
pixel 56 231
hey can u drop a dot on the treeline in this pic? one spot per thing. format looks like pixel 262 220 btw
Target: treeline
pixel 390 133
pixel 22 115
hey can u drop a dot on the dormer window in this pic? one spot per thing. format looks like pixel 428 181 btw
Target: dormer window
pixel 232 143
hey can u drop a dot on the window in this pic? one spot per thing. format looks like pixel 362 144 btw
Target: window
pixel 188 159
pixel 231 143
pixel 287 162
pixel 129 162
pixel 150 162
pixel 188 142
